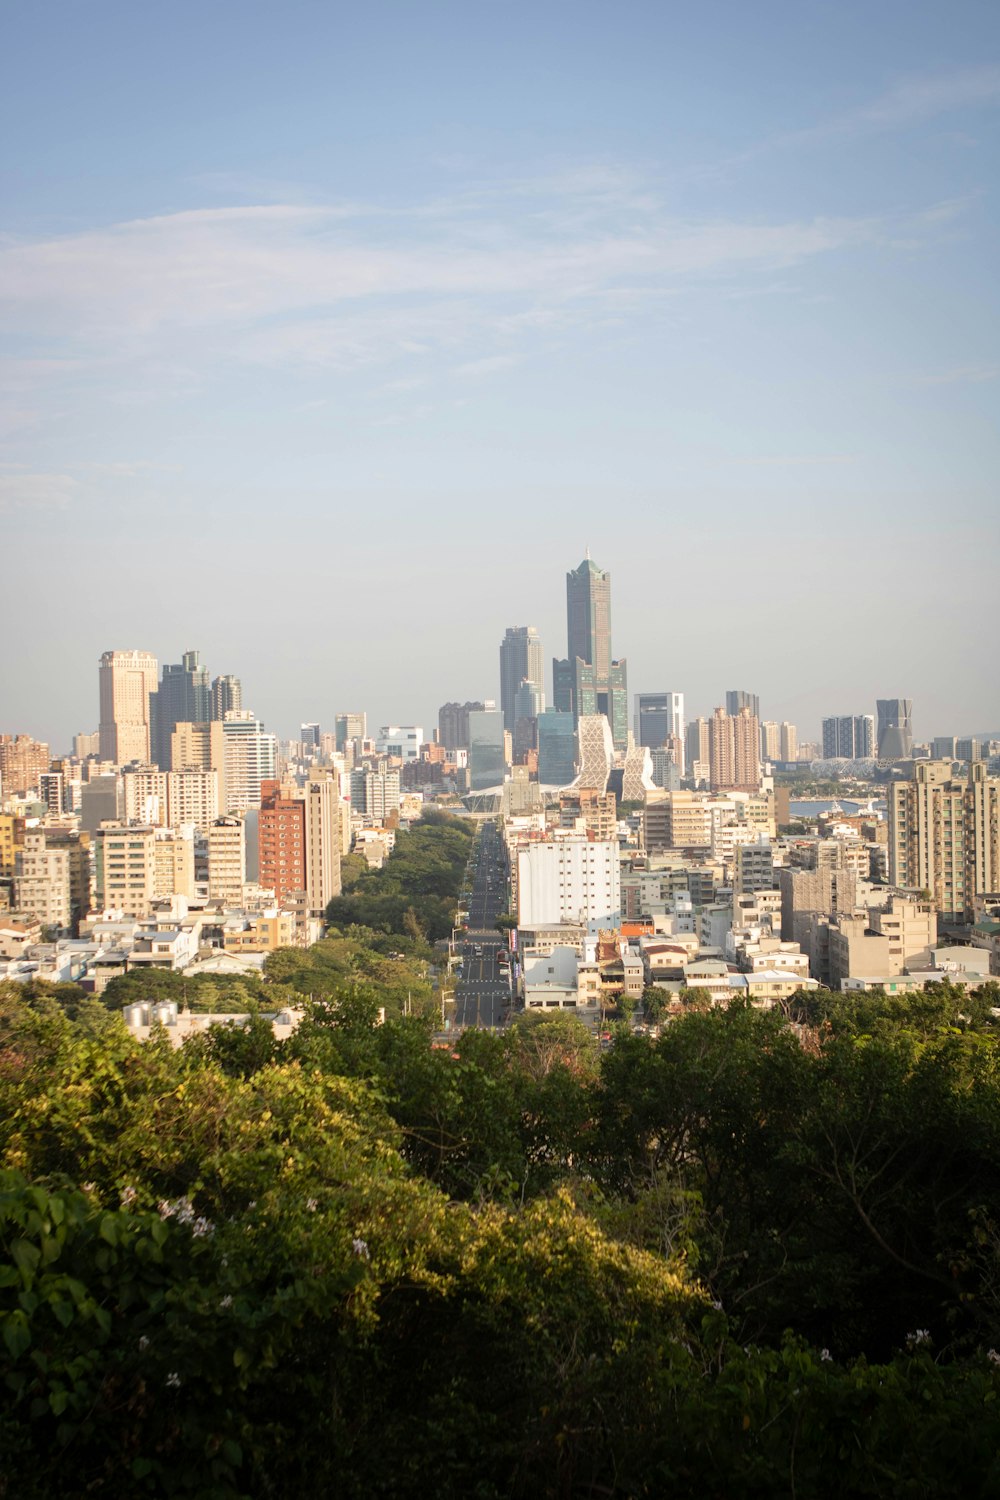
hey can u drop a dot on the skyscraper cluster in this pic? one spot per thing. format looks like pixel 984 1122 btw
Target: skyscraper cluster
pixel 183 809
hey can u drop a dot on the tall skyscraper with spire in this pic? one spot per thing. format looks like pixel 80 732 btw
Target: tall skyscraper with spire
pixel 589 681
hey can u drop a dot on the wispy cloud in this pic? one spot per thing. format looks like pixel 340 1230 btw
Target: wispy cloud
pixel 961 375
pixel 475 277
pixel 904 104
pixel 488 366
pixel 789 460
pixel 30 492
pixel 914 99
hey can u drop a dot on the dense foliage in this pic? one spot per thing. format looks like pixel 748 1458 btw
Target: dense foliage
pixel 754 1257
pixel 416 891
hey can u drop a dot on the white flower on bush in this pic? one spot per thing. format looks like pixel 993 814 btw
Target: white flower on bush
pixel 360 1247
pixel 182 1209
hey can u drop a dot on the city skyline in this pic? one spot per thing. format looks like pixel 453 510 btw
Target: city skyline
pixel 285 727
pixel 732 327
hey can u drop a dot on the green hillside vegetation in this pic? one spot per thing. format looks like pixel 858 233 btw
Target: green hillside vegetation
pixel 751 1258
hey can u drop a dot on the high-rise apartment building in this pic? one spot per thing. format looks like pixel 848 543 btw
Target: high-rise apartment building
pixel 667 765
pixel 737 699
pixel 520 661
pixel 281 835
pixel 52 877
pixel 453 724
pixel 697 743
pixel 227 860
pixel 192 797
pixel 200 747
pixel 251 757
pixel 323 842
pixel 375 793
pixel 734 751
pixel 53 791
pixel 849 736
pixel 173 864
pixel 227 696
pixel 770 740
pixel 85 745
pixel 944 835
pixel 184 696
pixel 895 728
pixel 22 761
pixel 145 794
pixel 789 741
pixel 168 799
pixel 657 717
pixel 126 869
pixel 127 679
pixel 588 681
pixel 676 820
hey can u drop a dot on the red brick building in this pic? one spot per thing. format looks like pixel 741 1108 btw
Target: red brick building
pixel 281 835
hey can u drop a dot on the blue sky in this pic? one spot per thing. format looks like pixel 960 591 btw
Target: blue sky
pixel 333 336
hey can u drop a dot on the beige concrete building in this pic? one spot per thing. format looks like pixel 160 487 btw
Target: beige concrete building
pixel 734 751
pixel 52 876
pixel 200 747
pixel 23 760
pixel 43 884
pixel 227 860
pixel 324 812
pixel 126 868
pixel 126 680
pixel 944 835
pixel 173 865
pixel 676 820
pixel 262 933
pixel 770 740
pixel 193 797
pixel 789 741
pixel 885 941
pixel 166 799
pixel 589 811
pixel 145 796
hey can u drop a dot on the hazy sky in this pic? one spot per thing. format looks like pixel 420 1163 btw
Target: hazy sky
pixel 333 335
